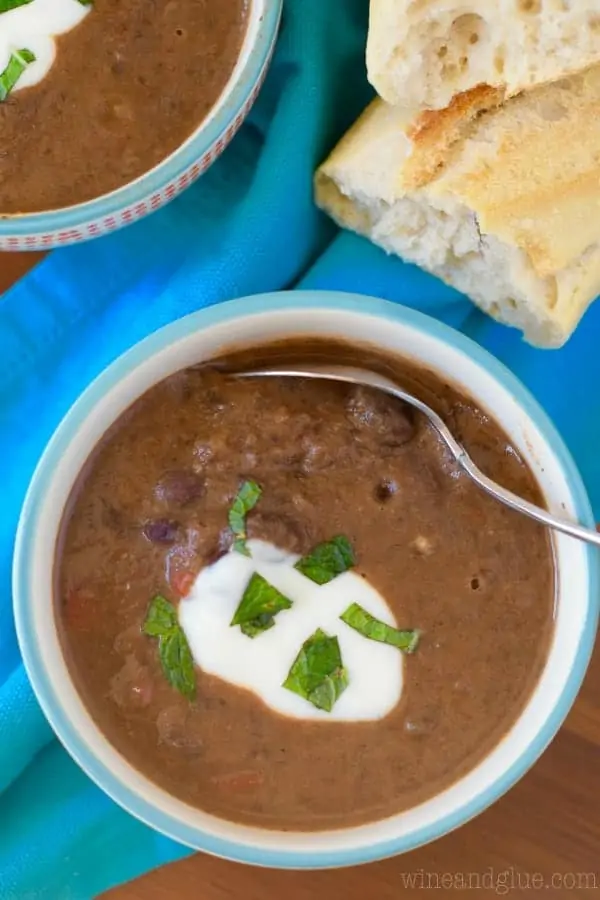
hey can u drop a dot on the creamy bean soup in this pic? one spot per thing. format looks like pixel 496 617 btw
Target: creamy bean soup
pixel 94 93
pixel 281 601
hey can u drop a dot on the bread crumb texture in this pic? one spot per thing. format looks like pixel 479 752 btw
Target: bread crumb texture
pixel 503 204
pixel 421 53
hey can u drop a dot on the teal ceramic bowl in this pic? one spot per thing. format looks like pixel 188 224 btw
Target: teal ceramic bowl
pixel 257 320
pixel 45 230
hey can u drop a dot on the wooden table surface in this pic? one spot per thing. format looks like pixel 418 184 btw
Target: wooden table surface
pixel 13 265
pixel 544 835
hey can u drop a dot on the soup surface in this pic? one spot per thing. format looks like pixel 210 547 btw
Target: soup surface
pixel 130 83
pixel 150 514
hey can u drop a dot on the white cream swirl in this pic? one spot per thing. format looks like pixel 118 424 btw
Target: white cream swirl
pixel 34 27
pixel 262 665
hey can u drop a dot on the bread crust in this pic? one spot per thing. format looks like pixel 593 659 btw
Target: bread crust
pixel 435 133
pixel 421 53
pixel 501 202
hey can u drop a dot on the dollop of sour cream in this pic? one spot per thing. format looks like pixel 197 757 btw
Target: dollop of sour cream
pixel 34 27
pixel 262 664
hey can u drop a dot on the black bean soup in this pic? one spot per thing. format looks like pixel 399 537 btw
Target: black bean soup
pixel 130 84
pixel 153 509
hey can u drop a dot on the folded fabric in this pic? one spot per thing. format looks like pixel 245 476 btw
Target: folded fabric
pixel 248 226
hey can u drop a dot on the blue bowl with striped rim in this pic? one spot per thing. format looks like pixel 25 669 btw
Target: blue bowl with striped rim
pixel 260 319
pixel 45 230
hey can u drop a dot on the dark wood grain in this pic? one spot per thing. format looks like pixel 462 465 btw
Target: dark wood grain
pixel 543 837
pixel 14 265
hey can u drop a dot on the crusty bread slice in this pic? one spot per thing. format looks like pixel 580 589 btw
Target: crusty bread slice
pixel 435 133
pixel 510 213
pixel 420 53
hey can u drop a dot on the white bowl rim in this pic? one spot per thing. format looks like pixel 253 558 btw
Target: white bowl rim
pixel 234 98
pixel 24 597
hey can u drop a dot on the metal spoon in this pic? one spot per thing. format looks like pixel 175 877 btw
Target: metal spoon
pixel 352 375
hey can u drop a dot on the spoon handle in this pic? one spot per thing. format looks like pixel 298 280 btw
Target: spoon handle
pixel 524 506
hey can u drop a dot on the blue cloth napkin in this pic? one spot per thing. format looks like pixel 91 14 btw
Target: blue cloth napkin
pixel 248 226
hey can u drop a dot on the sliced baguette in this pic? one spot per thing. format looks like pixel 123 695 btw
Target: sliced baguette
pixel 509 214
pixel 421 53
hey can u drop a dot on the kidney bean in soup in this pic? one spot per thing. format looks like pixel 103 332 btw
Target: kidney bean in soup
pixel 389 620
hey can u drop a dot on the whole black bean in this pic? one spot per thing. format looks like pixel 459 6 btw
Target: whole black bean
pixel 180 487
pixel 387 419
pixel 161 531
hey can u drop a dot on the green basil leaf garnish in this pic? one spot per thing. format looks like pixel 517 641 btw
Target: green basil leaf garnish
pixel 370 627
pixel 177 663
pixel 327 560
pixel 259 605
pixel 246 499
pixel 18 62
pixel 257 626
pixel 161 617
pixel 317 673
pixel 173 649
pixel 325 694
pixel 7 5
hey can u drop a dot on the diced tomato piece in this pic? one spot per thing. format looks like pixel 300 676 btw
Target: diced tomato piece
pixel 182 581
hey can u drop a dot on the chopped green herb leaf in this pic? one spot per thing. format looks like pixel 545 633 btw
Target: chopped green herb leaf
pixel 173 649
pixel 258 607
pixel 246 499
pixel 7 5
pixel 325 694
pixel 257 626
pixel 317 673
pixel 18 62
pixel 370 627
pixel 327 560
pixel 161 617
pixel 177 663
